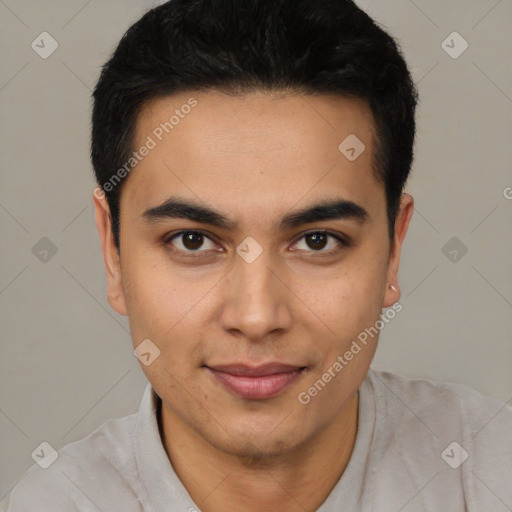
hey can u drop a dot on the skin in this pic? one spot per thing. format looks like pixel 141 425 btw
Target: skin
pixel 254 158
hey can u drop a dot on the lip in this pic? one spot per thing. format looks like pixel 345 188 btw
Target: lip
pixel 256 382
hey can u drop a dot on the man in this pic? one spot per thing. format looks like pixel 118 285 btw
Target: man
pixel 251 158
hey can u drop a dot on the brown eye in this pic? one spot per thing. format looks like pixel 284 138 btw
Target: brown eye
pixel 189 242
pixel 317 241
pixel 192 241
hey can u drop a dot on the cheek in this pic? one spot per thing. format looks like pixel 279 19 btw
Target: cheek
pixel 165 307
pixel 150 295
pixel 360 289
pixel 349 304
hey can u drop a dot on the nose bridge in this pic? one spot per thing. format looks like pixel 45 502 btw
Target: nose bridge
pixel 255 302
pixel 255 278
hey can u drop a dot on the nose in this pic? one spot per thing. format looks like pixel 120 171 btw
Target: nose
pixel 257 299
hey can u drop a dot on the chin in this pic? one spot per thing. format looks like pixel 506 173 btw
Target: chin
pixel 257 449
pixel 254 446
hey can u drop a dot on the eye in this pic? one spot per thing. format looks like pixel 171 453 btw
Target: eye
pixel 190 242
pixel 318 240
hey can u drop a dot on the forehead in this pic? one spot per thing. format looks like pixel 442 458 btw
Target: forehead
pixel 259 150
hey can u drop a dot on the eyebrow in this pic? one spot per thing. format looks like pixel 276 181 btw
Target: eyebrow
pixel 180 208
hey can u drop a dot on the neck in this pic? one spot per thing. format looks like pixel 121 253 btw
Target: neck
pixel 298 480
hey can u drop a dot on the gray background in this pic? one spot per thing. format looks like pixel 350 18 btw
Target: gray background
pixel 67 363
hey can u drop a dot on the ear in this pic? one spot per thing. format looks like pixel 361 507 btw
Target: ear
pixel 111 258
pixel 401 225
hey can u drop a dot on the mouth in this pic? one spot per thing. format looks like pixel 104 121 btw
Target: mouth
pixel 256 382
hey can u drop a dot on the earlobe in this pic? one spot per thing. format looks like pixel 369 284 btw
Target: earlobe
pixel 111 258
pixel 392 295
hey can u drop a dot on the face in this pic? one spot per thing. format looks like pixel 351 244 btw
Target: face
pixel 256 289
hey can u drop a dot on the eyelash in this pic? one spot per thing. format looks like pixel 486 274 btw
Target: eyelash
pixel 339 238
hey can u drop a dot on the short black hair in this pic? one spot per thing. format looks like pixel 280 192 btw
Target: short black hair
pixel 244 46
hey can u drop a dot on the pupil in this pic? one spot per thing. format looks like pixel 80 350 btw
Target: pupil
pixel 190 238
pixel 317 237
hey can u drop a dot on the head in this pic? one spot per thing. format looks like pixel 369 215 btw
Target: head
pixel 229 120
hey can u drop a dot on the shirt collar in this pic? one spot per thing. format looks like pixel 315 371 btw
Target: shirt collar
pixel 164 489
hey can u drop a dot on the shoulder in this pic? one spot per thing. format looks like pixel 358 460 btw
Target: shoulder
pixel 448 435
pixel 84 473
pixel 448 401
